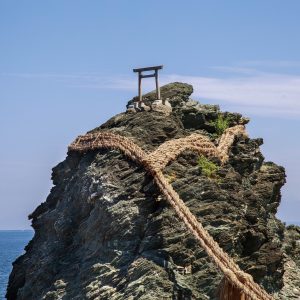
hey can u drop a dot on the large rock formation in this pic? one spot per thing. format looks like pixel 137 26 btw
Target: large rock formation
pixel 105 231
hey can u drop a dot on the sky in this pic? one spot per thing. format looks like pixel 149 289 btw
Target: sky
pixel 66 67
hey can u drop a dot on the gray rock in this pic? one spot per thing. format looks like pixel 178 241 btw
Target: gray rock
pixel 105 232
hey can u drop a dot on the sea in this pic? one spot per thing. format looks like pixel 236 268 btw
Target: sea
pixel 12 243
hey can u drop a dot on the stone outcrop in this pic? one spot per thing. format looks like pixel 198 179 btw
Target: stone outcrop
pixel 105 231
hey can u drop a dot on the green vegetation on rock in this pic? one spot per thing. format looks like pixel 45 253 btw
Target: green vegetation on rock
pixel 208 168
pixel 220 124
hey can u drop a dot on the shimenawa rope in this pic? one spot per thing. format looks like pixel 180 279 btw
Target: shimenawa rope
pixel 154 162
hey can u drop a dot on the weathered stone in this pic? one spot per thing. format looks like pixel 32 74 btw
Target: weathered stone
pixel 176 93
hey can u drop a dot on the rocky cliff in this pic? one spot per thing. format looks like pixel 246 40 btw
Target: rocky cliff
pixel 105 231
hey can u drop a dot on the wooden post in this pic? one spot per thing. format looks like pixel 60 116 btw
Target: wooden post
pixel 157 86
pixel 140 88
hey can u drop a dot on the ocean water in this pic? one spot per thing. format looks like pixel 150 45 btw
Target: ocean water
pixel 12 243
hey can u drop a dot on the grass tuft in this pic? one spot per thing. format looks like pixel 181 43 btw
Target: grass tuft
pixel 220 124
pixel 208 168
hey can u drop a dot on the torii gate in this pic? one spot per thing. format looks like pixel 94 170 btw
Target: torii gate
pixel 141 76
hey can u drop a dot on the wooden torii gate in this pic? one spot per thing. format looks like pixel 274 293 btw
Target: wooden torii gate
pixel 141 76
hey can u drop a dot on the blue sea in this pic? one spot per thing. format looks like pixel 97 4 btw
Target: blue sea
pixel 12 243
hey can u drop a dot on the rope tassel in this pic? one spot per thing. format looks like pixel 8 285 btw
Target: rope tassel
pixel 227 291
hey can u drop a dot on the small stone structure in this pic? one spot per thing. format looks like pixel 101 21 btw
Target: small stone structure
pixel 158 104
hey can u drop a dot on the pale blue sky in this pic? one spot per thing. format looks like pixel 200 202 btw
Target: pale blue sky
pixel 66 67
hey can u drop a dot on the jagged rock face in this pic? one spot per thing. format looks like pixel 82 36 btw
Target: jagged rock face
pixel 105 232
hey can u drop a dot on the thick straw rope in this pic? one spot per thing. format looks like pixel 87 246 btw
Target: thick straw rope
pixel 154 162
